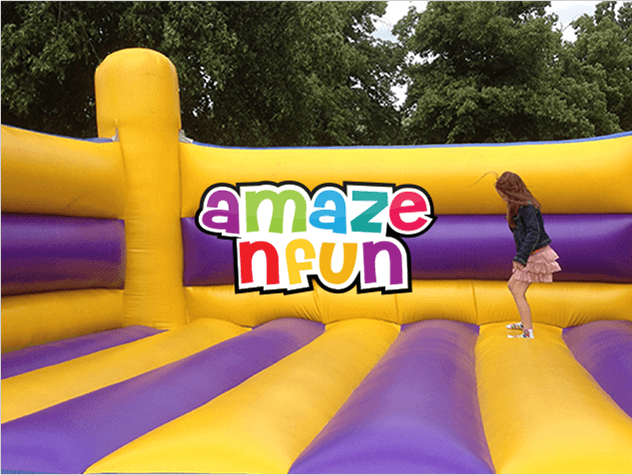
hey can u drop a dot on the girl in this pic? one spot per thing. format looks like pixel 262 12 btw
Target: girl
pixel 535 260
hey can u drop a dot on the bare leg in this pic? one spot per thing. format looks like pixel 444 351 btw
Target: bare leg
pixel 518 289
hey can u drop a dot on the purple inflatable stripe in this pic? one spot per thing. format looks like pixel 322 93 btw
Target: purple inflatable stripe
pixel 35 357
pixel 463 247
pixel 208 260
pixel 604 348
pixel 71 436
pixel 45 253
pixel 416 412
pixel 591 248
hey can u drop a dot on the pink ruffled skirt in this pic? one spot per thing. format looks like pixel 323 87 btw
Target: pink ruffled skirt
pixel 540 266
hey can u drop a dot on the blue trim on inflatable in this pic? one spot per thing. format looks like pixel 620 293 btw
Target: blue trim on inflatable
pixel 507 144
pixel 93 139
pixel 336 147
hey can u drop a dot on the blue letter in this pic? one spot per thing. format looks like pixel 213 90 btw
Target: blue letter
pixel 339 213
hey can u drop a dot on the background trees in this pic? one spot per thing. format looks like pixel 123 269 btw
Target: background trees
pixel 603 57
pixel 251 73
pixel 499 72
pixel 50 51
pixel 311 73
pixel 306 73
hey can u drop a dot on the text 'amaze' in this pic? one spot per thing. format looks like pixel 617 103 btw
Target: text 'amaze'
pixel 284 236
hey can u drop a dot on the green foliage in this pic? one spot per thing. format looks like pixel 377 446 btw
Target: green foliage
pixel 51 50
pixel 311 73
pixel 603 50
pixel 305 73
pixel 496 72
pixel 250 73
pixel 46 67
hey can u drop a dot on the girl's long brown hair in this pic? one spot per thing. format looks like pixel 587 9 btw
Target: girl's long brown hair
pixel 516 193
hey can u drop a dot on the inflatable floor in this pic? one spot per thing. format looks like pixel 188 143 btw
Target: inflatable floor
pixel 171 306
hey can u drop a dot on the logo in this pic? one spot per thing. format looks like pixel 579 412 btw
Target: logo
pixel 285 236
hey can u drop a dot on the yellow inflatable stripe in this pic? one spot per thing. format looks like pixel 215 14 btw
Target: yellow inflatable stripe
pixel 440 299
pixel 601 168
pixel 562 304
pixel 37 390
pixel 542 412
pixel 262 425
pixel 479 302
pixel 44 174
pixel 248 309
pixel 35 319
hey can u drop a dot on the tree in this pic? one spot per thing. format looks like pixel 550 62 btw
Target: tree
pixel 493 72
pixel 250 73
pixel 306 73
pixel 51 50
pixel 604 51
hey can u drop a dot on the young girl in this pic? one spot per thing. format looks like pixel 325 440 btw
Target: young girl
pixel 535 260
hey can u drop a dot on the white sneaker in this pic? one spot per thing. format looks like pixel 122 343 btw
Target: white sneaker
pixel 514 326
pixel 524 334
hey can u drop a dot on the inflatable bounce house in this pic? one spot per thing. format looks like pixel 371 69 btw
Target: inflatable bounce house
pixel 172 306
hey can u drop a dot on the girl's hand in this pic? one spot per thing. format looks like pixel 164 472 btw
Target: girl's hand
pixel 517 266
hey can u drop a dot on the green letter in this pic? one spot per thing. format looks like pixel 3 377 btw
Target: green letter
pixel 254 199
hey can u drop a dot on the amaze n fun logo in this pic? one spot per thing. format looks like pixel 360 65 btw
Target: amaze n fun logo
pixel 284 236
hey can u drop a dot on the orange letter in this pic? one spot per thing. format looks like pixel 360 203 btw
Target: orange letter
pixel 326 254
pixel 293 267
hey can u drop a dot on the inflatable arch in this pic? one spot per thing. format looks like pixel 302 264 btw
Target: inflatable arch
pixel 126 347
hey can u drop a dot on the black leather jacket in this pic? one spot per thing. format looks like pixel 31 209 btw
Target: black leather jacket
pixel 529 233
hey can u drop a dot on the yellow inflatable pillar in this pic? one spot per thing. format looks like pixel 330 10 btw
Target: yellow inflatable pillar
pixel 137 99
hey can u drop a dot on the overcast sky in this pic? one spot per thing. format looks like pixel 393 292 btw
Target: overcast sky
pixel 566 11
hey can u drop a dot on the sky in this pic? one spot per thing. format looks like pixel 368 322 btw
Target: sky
pixel 566 12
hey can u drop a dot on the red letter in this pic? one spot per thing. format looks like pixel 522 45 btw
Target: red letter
pixel 247 251
pixel 419 206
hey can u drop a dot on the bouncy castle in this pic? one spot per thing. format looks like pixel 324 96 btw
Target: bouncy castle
pixel 133 343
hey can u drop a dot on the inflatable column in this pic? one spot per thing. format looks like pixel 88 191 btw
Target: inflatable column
pixel 137 100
